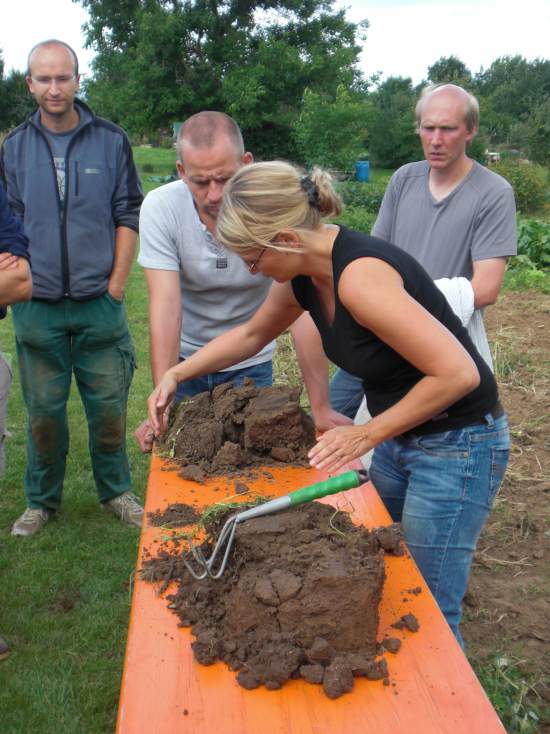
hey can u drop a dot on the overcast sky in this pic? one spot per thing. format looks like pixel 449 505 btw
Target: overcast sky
pixel 404 37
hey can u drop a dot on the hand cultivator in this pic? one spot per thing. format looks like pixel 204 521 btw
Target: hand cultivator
pixel 214 566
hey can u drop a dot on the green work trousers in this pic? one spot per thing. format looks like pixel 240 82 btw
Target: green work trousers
pixel 91 339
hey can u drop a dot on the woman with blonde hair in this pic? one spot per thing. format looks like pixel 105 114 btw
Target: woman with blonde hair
pixel 438 429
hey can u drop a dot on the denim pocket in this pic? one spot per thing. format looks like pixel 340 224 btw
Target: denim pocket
pixel 445 445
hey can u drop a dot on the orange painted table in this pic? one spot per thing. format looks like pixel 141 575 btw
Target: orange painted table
pixel 164 691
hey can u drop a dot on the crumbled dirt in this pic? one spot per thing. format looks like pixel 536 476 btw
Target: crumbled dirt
pixel 507 607
pixel 238 427
pixel 299 598
pixel 174 516
pixel 407 621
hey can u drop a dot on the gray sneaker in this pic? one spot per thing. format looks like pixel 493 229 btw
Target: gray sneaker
pixel 125 507
pixel 4 649
pixel 30 522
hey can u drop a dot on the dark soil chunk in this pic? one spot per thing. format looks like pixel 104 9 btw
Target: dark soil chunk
pixel 390 538
pixel 409 621
pixel 297 599
pixel 338 679
pixel 241 488
pixel 174 516
pixel 238 427
pixel 312 673
pixel 193 473
pixel 392 644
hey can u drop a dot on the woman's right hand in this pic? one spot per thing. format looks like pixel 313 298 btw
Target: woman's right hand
pixel 159 402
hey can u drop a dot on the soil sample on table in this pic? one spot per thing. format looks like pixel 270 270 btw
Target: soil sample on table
pixel 299 598
pixel 238 427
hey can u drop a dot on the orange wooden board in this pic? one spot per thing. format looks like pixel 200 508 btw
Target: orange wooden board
pixel 433 688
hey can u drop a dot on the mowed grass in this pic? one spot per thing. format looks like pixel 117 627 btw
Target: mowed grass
pixel 65 594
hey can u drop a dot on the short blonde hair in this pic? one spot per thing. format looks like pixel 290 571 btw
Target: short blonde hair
pixel 263 199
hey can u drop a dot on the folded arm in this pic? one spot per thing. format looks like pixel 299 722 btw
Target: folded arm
pixel 15 279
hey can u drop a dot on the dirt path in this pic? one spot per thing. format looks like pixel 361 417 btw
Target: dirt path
pixel 508 603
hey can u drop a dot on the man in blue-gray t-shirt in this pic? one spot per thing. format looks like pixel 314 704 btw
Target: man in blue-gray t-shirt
pixel 456 217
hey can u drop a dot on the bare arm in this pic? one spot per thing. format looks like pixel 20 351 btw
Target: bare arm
pixel 277 312
pixel 314 367
pixel 164 320
pixel 373 293
pixel 125 247
pixel 487 280
pixel 15 279
pixel 164 334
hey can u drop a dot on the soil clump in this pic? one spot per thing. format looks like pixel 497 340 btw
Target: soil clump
pixel 299 598
pixel 174 516
pixel 233 428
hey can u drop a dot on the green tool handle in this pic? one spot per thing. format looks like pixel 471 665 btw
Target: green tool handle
pixel 348 480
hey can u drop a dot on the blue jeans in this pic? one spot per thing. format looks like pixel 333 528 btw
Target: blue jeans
pixel 441 488
pixel 346 393
pixel 262 374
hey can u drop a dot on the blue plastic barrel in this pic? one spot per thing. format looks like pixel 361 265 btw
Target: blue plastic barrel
pixel 362 171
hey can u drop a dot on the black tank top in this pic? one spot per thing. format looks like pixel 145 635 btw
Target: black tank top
pixel 386 375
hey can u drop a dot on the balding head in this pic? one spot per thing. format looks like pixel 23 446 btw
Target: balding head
pixel 454 94
pixel 47 44
pixel 205 129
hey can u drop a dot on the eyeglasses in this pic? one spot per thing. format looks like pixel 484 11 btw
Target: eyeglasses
pixel 47 81
pixel 252 267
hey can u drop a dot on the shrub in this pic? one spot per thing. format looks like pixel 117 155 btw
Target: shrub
pixel 527 181
pixel 331 130
pixel 147 168
pixel 358 218
pixel 362 194
pixel 534 243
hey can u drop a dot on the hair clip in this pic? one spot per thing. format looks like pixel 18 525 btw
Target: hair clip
pixel 312 191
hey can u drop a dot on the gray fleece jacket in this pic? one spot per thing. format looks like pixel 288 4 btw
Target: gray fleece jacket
pixel 72 247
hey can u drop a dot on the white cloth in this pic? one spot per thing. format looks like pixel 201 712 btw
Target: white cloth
pixel 460 296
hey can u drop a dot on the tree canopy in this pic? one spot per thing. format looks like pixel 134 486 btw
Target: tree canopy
pixel 287 71
pixel 159 61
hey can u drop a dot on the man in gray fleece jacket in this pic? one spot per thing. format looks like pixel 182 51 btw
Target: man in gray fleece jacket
pixel 71 177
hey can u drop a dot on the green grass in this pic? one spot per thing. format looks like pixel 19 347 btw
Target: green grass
pixel 512 692
pixel 154 163
pixel 65 594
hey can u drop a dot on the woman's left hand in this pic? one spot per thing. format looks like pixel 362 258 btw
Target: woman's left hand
pixel 339 446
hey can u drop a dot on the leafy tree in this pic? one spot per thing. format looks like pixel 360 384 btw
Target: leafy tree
pixel 538 133
pixel 161 60
pixel 331 131
pixel 449 69
pixel 16 102
pixel 510 89
pixel 391 124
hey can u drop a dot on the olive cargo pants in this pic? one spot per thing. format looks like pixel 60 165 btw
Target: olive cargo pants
pixel 91 339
